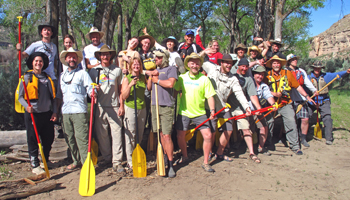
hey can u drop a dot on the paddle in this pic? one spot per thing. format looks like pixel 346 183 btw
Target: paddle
pixel 271 109
pixel 324 87
pixel 138 155
pixel 94 145
pixel 190 133
pixel 317 129
pixel 87 173
pixel 18 106
pixel 160 155
pixel 36 131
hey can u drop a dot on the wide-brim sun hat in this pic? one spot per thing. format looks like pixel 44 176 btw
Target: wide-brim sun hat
pixel 254 48
pixel 275 57
pixel 193 56
pixel 162 53
pixel 153 41
pixel 277 41
pixel 70 50
pixel 240 46
pixel 291 56
pixel 94 30
pixel 317 64
pixel 53 29
pixel 104 49
pixel 29 61
pixel 171 38
pixel 228 58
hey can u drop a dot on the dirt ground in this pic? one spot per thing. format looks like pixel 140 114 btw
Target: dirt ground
pixel 321 173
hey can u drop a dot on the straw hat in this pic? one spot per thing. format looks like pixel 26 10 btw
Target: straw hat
pixel 227 57
pixel 317 64
pixel 153 41
pixel 275 57
pixel 31 57
pixel 70 50
pixel 103 49
pixel 94 30
pixel 254 48
pixel 242 46
pixel 192 56
pixel 277 41
pixel 53 29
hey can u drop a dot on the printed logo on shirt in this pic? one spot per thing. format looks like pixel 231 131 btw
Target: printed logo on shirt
pixel 191 83
pixel 104 78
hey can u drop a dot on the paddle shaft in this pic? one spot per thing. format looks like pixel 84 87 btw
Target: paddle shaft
pixel 136 125
pixel 157 111
pixel 317 111
pixel 91 117
pixel 19 52
pixel 209 118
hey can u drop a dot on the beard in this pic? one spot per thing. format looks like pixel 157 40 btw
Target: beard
pixel 72 64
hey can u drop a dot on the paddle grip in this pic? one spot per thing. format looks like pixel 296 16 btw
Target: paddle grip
pixel 98 75
pixel 91 116
pixel 136 125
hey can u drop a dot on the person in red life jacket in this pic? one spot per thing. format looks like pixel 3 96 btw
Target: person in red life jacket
pixel 319 80
pixel 302 116
pixel 188 47
pixel 214 54
pixel 281 82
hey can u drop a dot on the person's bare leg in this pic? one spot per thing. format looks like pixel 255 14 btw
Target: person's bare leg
pixel 304 126
pixel 182 142
pixel 168 145
pixel 224 138
pixel 248 140
pixel 206 133
pixel 212 140
pixel 262 136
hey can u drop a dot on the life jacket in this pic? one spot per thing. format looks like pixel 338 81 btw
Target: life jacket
pixel 280 85
pixel 320 84
pixel 148 61
pixel 298 75
pixel 183 52
pixel 32 83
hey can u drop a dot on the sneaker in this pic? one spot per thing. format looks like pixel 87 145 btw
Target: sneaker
pixel 303 141
pixel 298 152
pixel 171 173
pixel 118 168
pixel 38 170
pixel 329 142
pixel 207 168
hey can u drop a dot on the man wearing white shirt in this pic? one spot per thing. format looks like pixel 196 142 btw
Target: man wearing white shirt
pixel 89 51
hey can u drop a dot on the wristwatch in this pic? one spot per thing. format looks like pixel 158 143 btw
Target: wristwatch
pixel 158 82
pixel 212 110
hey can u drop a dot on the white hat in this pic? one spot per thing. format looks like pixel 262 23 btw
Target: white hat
pixel 94 30
pixel 70 50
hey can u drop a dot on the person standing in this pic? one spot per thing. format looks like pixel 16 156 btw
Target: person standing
pixel 68 42
pixel 319 79
pixel 188 47
pixel 195 88
pixel 164 81
pixel 240 50
pixel 89 51
pixel 215 54
pixel 108 121
pixel 75 86
pixel 42 94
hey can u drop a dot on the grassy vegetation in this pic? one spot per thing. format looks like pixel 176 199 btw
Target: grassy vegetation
pixel 340 108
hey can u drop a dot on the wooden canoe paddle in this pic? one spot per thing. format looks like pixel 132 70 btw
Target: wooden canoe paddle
pixel 160 155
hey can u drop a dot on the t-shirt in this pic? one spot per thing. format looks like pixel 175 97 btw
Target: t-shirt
pixel 110 80
pixel 140 93
pixel 89 53
pixel 263 93
pixel 165 95
pixel 172 56
pixel 195 89
pixel 248 88
pixel 50 50
pixel 270 54
pixel 214 57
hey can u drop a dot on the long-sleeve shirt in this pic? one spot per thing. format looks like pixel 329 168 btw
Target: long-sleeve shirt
pixel 75 85
pixel 44 101
pixel 212 57
pixel 328 77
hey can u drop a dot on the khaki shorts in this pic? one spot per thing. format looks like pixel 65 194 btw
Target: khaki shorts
pixel 166 115
pixel 242 124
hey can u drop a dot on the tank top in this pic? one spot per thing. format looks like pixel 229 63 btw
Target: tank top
pixel 140 93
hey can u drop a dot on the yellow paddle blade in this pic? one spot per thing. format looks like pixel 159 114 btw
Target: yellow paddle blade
pixel 189 134
pixel 318 131
pixel 221 122
pixel 87 178
pixel 139 162
pixel 44 160
pixel 94 151
pixel 160 161
pixel 18 106
pixel 199 140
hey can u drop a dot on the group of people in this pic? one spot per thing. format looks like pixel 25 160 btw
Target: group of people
pixel 202 79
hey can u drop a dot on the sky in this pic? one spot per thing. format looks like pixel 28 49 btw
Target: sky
pixel 323 18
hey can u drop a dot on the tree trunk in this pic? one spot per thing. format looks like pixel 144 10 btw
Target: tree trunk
pixel 120 31
pixel 127 28
pixel 71 31
pixel 106 20
pixel 270 20
pixel 258 21
pixel 232 20
pixel 52 15
pixel 100 7
pixel 63 17
pixel 279 19
pixel 204 33
pixel 112 24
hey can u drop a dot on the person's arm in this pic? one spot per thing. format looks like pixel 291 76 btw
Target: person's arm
pixel 302 92
pixel 19 47
pixel 330 76
pixel 169 83
pixel 266 48
pixel 237 90
pixel 144 30
pixel 121 110
pixel 88 65
pixel 21 96
pixel 198 38
pixel 149 83
pixel 208 66
pixel 255 101
pixel 308 83
pixel 211 103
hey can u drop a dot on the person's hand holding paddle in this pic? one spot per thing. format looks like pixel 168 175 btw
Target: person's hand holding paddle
pixel 212 114
pixel 30 109
pixel 309 99
pixel 133 82
pixel 121 111
pixel 19 46
pixel 248 112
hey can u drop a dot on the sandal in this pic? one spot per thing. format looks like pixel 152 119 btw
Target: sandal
pixel 254 158
pixel 182 160
pixel 207 168
pixel 223 157
pixel 210 156
pixel 71 167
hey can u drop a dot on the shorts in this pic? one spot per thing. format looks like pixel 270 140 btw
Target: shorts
pixel 227 126
pixel 303 113
pixel 166 115
pixel 183 122
pixel 260 124
pixel 242 124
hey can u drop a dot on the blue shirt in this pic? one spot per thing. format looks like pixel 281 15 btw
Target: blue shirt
pixel 75 85
pixel 328 77
pixel 263 92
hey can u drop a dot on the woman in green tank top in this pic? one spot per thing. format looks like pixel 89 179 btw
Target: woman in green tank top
pixel 135 77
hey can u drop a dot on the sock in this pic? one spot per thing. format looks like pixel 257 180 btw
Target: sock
pixel 170 163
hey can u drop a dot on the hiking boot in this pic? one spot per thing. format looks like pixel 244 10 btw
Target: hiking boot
pixel 303 141
pixel 171 172
pixel 207 168
pixel 118 168
pixel 38 170
pixel 329 142
pixel 298 152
